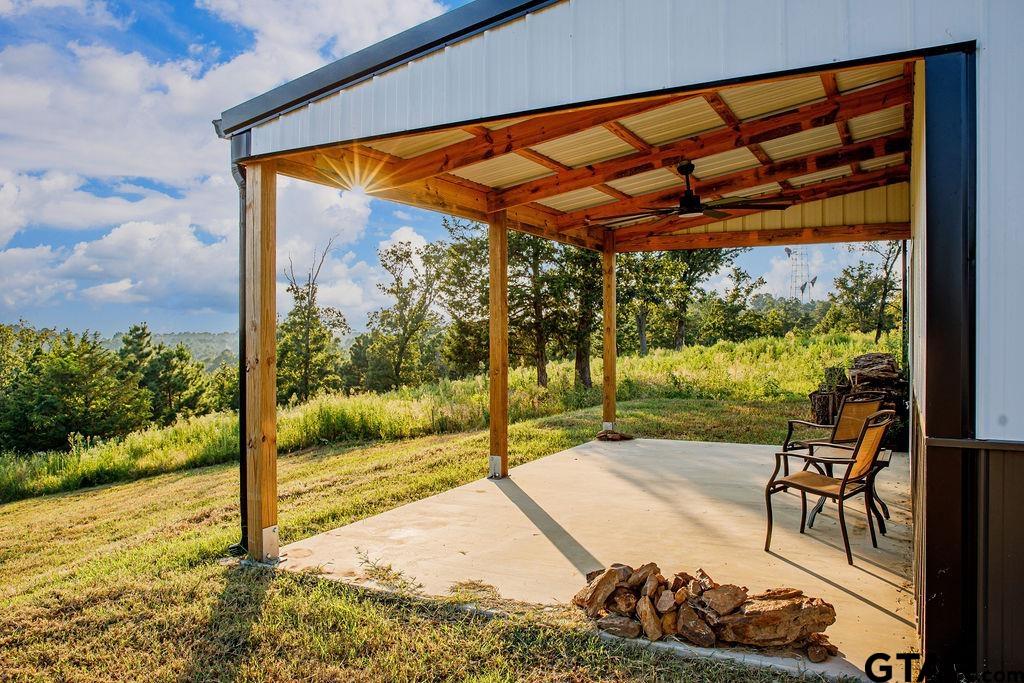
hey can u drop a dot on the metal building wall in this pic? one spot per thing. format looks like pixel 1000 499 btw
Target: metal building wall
pixel 582 50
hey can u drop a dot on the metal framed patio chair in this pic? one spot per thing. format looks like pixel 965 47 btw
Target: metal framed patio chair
pixel 861 468
pixel 853 410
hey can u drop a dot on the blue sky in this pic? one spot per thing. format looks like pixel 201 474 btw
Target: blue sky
pixel 116 204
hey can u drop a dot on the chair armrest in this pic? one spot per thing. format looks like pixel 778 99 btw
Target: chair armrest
pixel 789 443
pixel 806 423
pixel 809 457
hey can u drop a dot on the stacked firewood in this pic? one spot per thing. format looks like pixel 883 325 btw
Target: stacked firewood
pixel 868 372
pixel 629 602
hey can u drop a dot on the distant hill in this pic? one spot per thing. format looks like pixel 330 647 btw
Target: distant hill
pixel 212 348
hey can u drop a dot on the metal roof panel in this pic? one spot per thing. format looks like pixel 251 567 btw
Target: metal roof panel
pixel 577 199
pixel 750 101
pixel 674 121
pixel 804 142
pixel 651 181
pixel 503 171
pixel 586 147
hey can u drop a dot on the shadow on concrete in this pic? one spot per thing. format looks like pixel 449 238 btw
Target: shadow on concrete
pixel 825 579
pixel 571 549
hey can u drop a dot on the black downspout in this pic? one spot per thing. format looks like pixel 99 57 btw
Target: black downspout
pixel 242 547
pixel 240 150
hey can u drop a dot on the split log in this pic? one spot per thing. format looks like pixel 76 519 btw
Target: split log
pixel 622 601
pixel 681 595
pixel 624 570
pixel 640 574
pixel 668 621
pixel 775 622
pixel 816 653
pixel 666 601
pixel 692 628
pixel 648 618
pixel 705 581
pixel 618 625
pixel 652 587
pixel 724 599
pixel 593 597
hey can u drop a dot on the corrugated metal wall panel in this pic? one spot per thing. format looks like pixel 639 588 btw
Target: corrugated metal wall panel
pixel 614 48
pixel 879 205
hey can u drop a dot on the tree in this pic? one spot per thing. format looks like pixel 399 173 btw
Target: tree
pixel 887 253
pixel 223 387
pixel 18 344
pixel 531 260
pixel 400 330
pixel 690 268
pixel 72 385
pixel 309 357
pixel 729 317
pixel 641 280
pixel 578 288
pixel 463 295
pixel 178 386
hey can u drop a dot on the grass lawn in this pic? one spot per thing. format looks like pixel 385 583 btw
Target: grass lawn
pixel 125 582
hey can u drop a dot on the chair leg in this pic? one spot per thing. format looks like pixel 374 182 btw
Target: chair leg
pixel 815 510
pixel 868 507
pixel 768 504
pixel 803 510
pixel 846 537
pixel 875 502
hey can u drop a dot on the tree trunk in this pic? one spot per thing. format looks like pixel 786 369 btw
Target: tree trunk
pixel 680 340
pixel 641 330
pixel 880 315
pixel 583 378
pixel 540 354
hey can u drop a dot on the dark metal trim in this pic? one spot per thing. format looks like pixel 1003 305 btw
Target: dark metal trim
pixel 238 171
pixel 431 35
pixel 976 444
pixel 949 570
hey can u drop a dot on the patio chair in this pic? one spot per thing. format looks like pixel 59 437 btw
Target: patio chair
pixel 853 410
pixel 861 468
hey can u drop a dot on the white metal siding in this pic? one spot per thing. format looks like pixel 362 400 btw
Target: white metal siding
pixel 580 50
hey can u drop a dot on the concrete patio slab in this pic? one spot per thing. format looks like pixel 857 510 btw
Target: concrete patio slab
pixel 682 504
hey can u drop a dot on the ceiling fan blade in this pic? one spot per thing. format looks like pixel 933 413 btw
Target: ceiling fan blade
pixel 738 201
pixel 763 206
pixel 715 213
pixel 636 215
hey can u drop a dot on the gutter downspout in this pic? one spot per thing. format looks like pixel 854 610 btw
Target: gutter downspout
pixel 239 149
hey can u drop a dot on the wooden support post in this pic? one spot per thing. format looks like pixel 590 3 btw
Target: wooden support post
pixel 608 272
pixel 261 359
pixel 498 247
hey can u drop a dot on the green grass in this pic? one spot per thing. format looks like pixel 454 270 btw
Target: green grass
pixel 758 369
pixel 125 581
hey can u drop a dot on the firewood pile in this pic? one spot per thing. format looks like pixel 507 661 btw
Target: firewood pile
pixel 631 603
pixel 868 372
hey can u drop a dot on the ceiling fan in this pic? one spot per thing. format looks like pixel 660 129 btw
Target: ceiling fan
pixel 690 205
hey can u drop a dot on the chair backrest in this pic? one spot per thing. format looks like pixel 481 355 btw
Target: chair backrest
pixel 854 409
pixel 869 444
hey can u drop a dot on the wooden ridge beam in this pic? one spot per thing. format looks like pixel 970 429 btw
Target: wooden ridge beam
pixel 840 108
pixel 865 232
pixel 506 140
pixel 628 136
pixel 751 177
pixel 637 233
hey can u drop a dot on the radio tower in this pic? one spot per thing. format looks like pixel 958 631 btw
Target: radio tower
pixel 800 282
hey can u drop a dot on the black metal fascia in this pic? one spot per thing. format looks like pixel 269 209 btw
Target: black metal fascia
pixel 431 35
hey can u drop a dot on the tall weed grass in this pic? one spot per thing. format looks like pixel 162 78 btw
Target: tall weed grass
pixel 753 370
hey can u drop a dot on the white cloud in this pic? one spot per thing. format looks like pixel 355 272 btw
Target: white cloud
pixel 405 233
pixel 85 112
pixel 118 292
pixel 402 215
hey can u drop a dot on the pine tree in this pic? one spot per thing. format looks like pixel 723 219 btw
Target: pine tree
pixel 71 386
pixel 179 385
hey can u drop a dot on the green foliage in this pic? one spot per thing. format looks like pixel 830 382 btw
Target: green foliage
pixel 70 385
pixel 309 358
pixel 223 388
pixel 867 297
pixel 753 370
pixel 403 349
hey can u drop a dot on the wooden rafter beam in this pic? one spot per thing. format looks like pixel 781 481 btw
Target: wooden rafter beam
pixel 635 234
pixel 842 108
pixel 751 177
pixel 629 137
pixel 867 232
pixel 828 81
pixel 759 152
pixel 723 110
pixel 506 140
pixel 451 195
